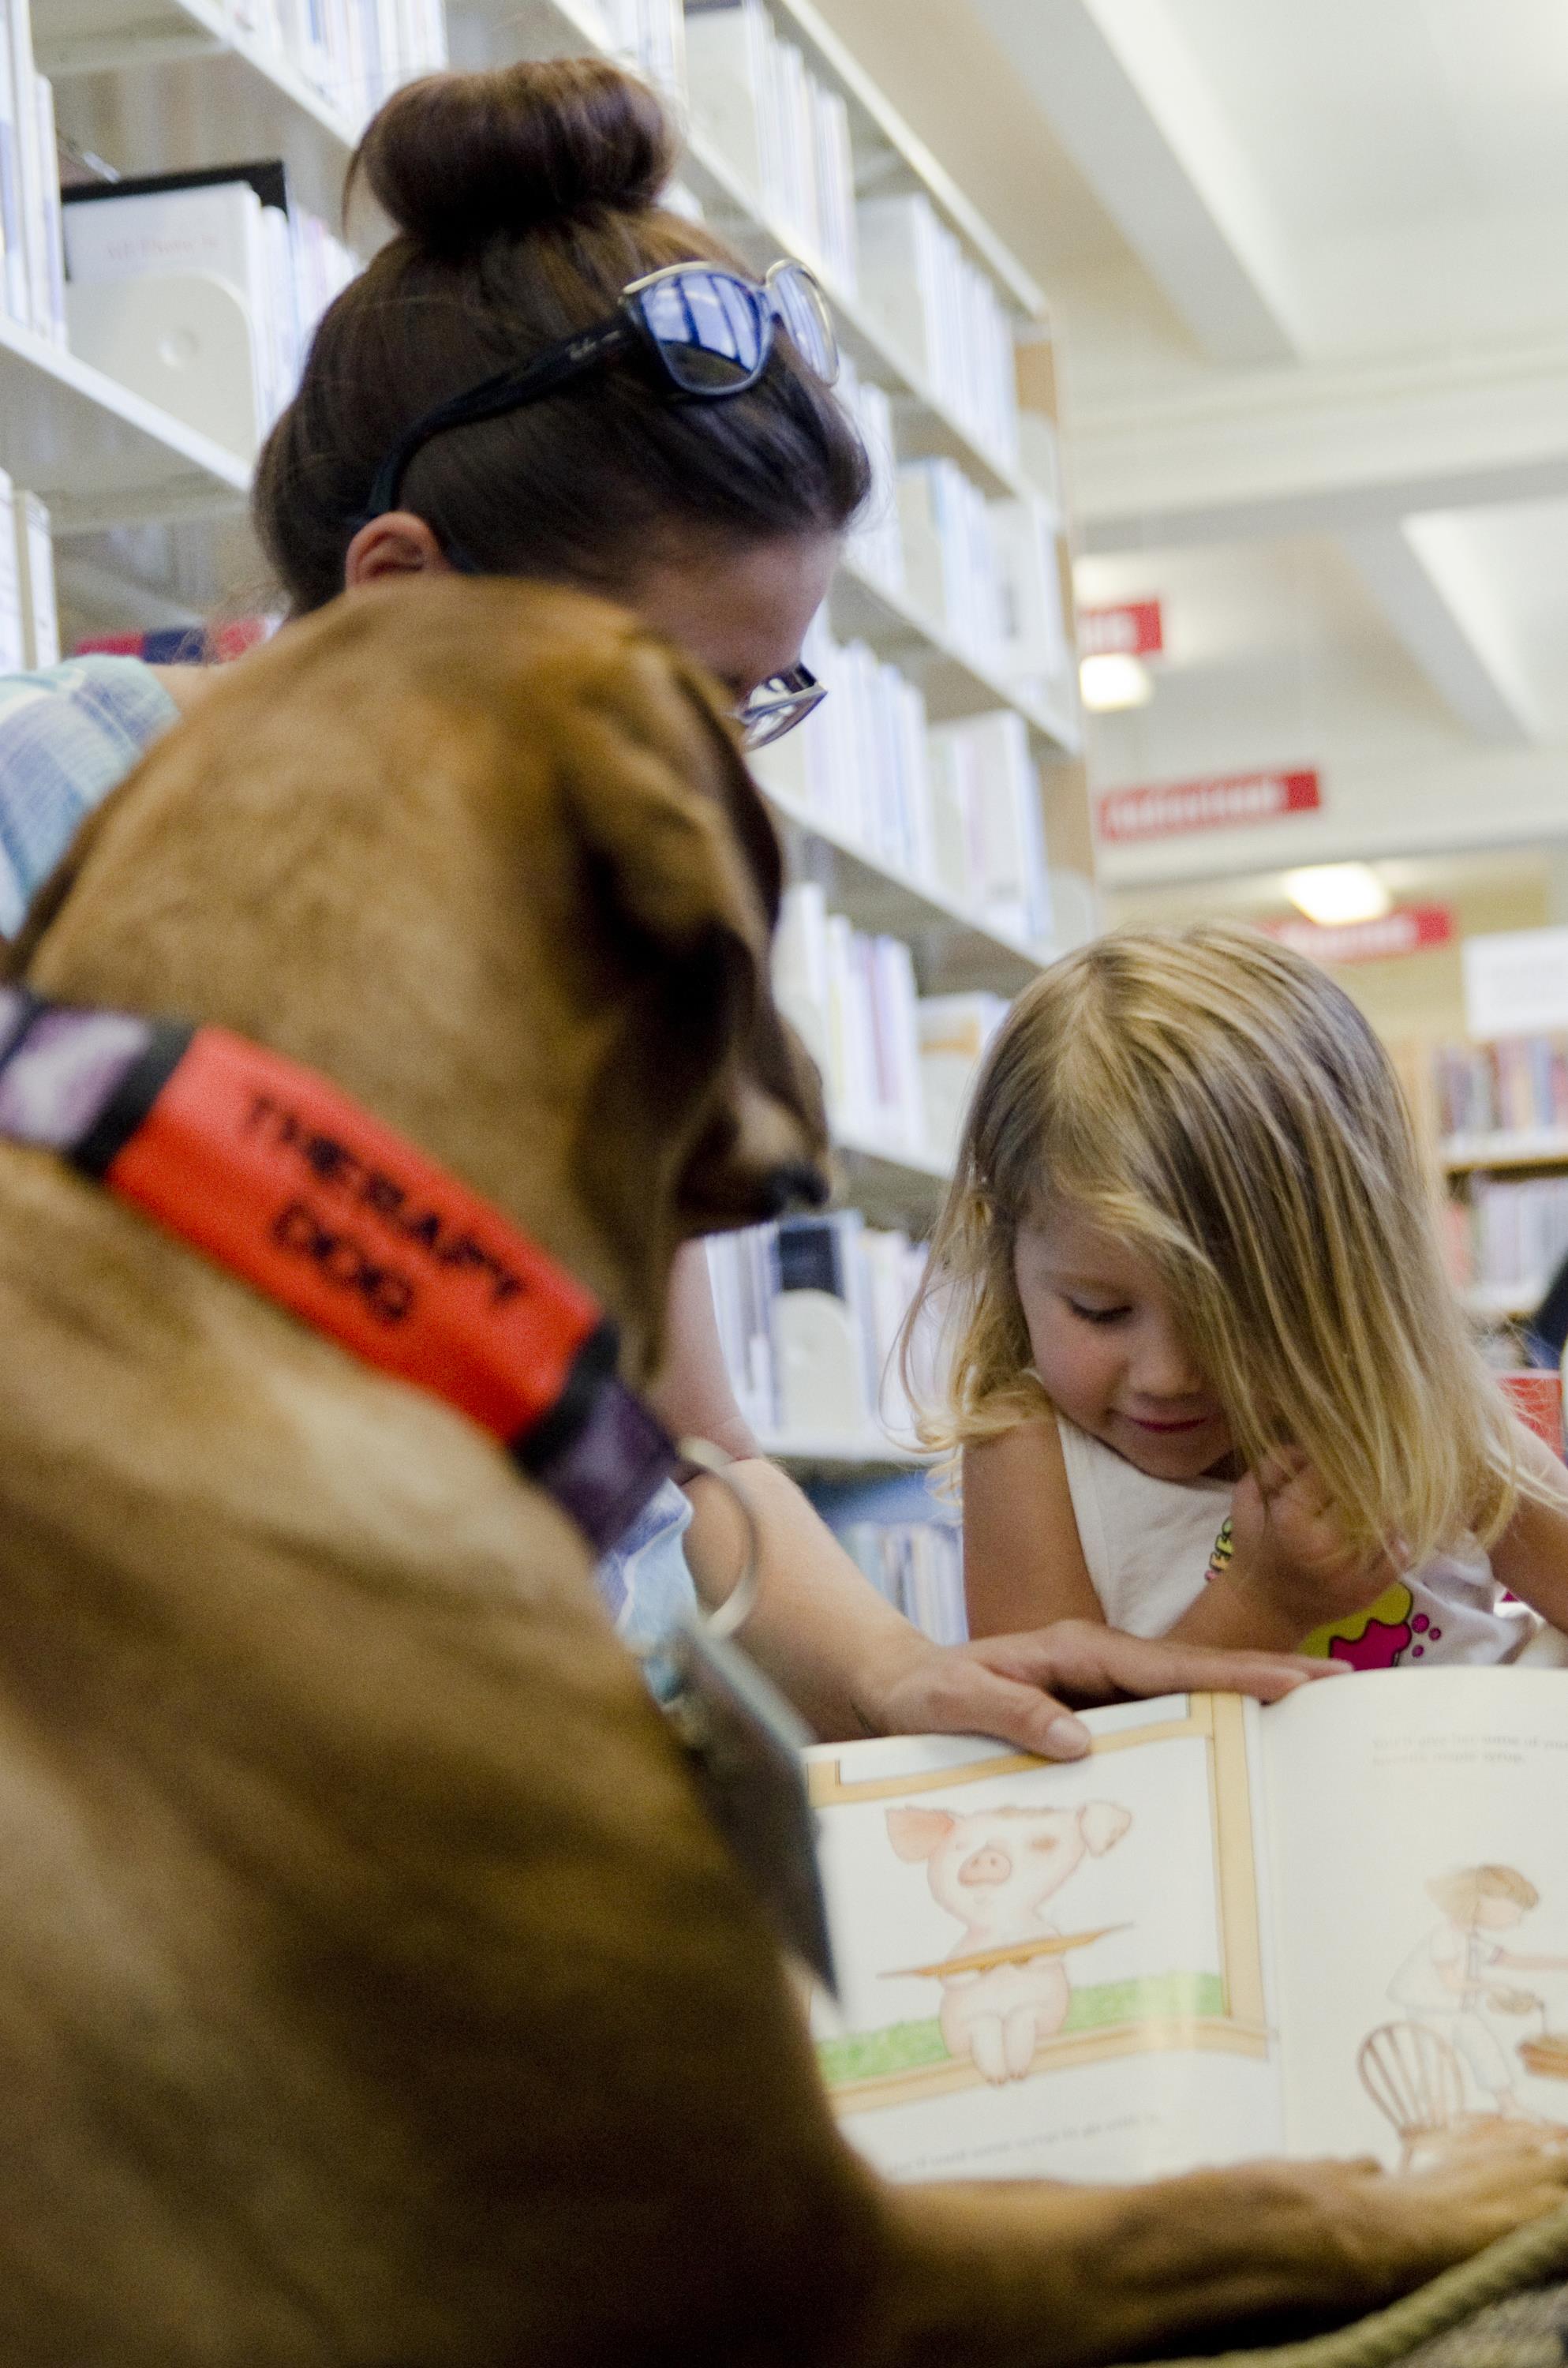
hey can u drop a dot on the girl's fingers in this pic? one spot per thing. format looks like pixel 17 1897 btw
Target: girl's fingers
pixel 1278 1468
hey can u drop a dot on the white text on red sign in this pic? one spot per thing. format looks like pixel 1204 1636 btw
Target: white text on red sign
pixel 1408 929
pixel 1133 630
pixel 1224 803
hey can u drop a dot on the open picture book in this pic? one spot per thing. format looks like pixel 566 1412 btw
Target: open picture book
pixel 1338 1925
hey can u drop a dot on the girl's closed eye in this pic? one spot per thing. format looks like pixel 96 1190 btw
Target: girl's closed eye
pixel 1087 1313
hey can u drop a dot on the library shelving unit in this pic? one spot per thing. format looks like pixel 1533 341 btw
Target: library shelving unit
pixel 168 84
pixel 1544 1147
pixel 1520 1154
pixel 831 1454
pixel 97 453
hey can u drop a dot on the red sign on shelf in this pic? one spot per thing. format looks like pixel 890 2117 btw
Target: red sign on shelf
pixel 1226 802
pixel 1408 929
pixel 1132 630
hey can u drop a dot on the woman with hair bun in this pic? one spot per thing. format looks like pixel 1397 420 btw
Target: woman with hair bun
pixel 546 374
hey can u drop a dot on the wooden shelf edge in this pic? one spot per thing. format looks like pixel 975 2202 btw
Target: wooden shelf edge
pixel 1461 1155
pixel 827 1452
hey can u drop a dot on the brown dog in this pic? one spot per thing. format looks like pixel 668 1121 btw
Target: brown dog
pixel 371 1988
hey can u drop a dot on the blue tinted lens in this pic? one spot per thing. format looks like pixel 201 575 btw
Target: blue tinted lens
pixel 806 322
pixel 711 328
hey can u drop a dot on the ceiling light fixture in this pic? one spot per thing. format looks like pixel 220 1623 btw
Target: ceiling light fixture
pixel 1112 680
pixel 1333 893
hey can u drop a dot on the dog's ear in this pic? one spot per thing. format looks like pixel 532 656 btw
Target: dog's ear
pixel 919 1833
pixel 1102 1823
pixel 710 1100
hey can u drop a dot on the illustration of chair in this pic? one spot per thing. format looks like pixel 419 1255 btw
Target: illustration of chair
pixel 1413 2076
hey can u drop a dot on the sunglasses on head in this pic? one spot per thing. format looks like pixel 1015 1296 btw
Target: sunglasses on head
pixel 706 331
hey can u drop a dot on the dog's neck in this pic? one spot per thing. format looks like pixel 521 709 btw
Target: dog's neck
pixel 472 1040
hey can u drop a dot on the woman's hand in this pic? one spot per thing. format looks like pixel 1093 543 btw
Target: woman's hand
pixel 1291 1564
pixel 1022 1690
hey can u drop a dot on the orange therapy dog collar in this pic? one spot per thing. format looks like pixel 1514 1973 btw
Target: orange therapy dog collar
pixel 274 1173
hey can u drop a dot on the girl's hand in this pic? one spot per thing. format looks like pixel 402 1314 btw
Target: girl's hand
pixel 1291 1559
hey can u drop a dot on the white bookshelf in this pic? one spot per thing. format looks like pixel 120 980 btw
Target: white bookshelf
pixel 98 454
pixel 956 682
pixel 876 895
pixel 1533 1146
pixel 72 38
pixel 893 1185
pixel 167 86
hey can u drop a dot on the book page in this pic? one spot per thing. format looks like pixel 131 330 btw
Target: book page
pixel 1422 1904
pixel 1044 1968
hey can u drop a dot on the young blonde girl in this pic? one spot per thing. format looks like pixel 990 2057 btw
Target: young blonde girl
pixel 1206 1371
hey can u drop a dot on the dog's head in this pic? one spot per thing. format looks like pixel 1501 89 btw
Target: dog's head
pixel 486 853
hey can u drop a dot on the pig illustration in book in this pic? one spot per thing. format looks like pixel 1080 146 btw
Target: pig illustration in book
pixel 1004 1985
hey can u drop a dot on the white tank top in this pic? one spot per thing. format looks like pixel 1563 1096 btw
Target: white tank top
pixel 1149 1545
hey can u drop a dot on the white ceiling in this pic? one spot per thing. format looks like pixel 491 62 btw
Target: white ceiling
pixel 1310 270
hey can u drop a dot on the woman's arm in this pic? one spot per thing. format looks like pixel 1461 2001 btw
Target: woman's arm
pixel 1023 1563
pixel 1531 1556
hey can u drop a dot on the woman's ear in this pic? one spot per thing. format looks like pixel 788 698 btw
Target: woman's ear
pixel 397 543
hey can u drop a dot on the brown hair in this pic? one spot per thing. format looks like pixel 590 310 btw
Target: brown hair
pixel 1217 1101
pixel 524 201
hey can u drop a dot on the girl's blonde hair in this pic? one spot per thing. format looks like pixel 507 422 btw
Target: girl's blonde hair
pixel 1215 1100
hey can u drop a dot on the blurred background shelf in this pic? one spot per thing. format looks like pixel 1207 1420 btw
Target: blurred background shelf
pixel 826 1453
pixel 953 940
pixel 956 682
pixel 1520 1147
pixel 97 453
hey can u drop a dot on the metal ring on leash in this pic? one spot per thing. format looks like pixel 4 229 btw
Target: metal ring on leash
pixel 741 1600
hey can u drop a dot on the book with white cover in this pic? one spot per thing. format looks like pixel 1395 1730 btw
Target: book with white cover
pixel 1338 1925
pixel 12 226
pixel 52 294
pixel 900 273
pixel 216 229
pixel 954 1033
pixel 728 70
pixel 13 634
pixel 31 168
pixel 35 583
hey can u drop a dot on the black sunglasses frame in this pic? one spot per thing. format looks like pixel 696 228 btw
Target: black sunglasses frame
pixel 626 332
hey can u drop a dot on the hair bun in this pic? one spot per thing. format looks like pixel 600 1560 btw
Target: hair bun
pixel 456 159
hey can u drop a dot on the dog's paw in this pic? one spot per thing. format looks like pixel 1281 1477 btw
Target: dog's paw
pixel 1471 2187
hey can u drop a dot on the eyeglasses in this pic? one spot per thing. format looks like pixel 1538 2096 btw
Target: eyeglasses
pixel 776 705
pixel 707 332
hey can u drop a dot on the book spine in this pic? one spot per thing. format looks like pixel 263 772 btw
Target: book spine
pixel 52 228
pixel 36 312
pixel 13 635
pixel 35 568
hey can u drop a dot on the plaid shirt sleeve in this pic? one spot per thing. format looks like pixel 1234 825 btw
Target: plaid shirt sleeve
pixel 67 735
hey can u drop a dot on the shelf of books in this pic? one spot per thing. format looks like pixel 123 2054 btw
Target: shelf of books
pixel 935 811
pixel 1524 1146
pixel 1498 1116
